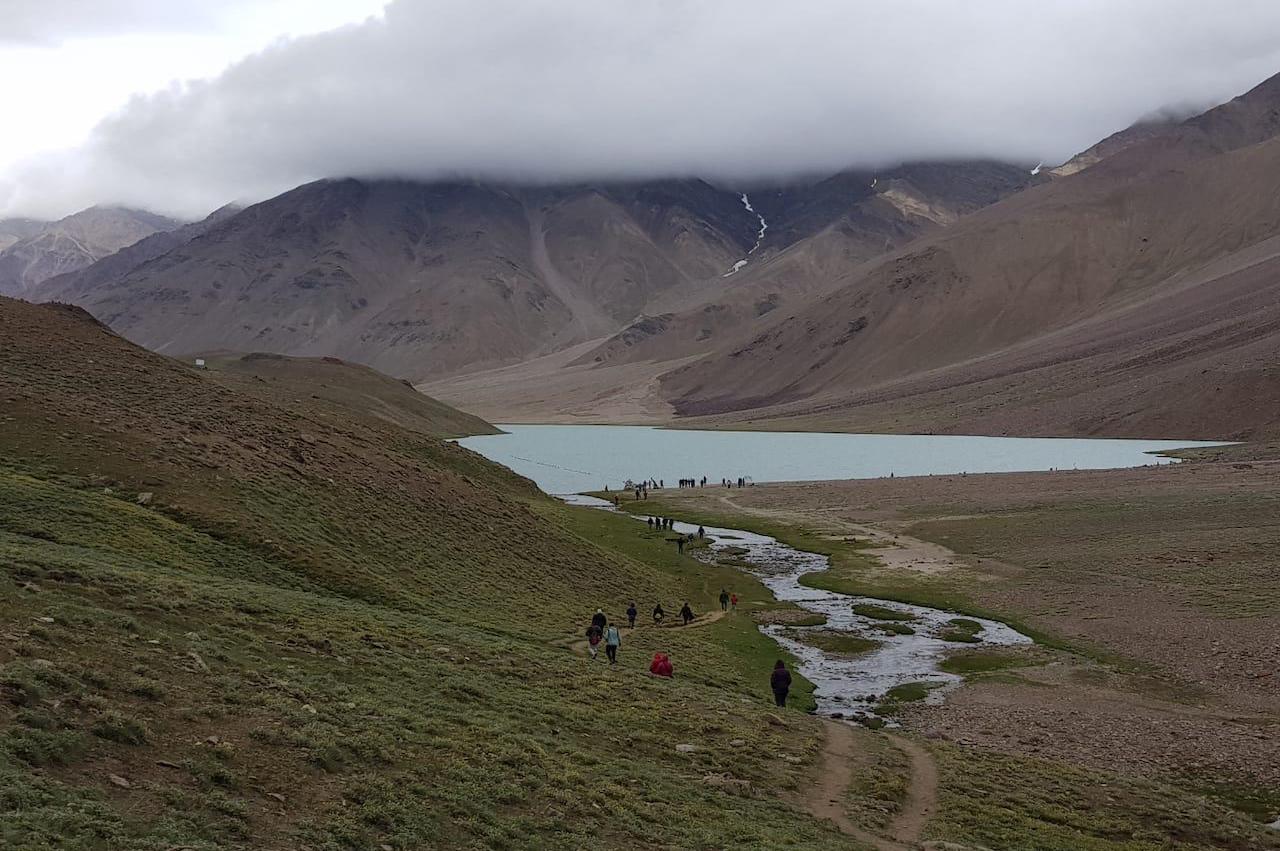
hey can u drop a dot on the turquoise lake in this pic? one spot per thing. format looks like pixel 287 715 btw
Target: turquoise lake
pixel 566 459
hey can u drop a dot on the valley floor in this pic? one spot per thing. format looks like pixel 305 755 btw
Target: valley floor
pixel 1155 597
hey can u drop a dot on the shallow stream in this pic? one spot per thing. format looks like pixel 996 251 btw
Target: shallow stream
pixel 848 686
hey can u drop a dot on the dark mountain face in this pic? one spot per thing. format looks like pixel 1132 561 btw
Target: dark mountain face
pixel 435 279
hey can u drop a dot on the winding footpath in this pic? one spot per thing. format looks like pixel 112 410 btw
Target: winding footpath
pixel 825 800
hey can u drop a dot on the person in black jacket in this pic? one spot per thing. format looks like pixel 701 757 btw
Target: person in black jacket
pixel 780 682
pixel 686 613
pixel 599 620
pixel 631 614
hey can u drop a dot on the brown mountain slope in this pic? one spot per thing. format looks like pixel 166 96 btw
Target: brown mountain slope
pixel 73 243
pixel 328 388
pixel 1099 241
pixel 418 279
pixel 615 379
pixel 1194 361
pixel 433 280
pixel 70 287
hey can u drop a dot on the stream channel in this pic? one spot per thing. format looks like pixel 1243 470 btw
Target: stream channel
pixel 847 686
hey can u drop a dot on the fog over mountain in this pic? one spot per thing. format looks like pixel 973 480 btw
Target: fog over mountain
pixel 723 89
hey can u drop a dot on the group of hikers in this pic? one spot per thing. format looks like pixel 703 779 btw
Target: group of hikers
pixel 602 631
pixel 641 488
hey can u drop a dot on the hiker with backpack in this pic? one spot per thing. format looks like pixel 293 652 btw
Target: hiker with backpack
pixel 686 613
pixel 594 636
pixel 612 641
pixel 724 600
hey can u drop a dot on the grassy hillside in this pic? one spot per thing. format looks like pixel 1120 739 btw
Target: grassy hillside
pixel 335 388
pixel 231 622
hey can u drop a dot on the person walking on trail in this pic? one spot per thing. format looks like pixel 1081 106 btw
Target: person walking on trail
pixel 780 682
pixel 599 621
pixel 724 600
pixel 661 665
pixel 658 614
pixel 631 615
pixel 686 613
pixel 680 545
pixel 733 602
pixel 612 641
pixel 594 634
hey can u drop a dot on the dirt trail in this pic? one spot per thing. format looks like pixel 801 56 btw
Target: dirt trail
pixel 835 773
pixel 894 550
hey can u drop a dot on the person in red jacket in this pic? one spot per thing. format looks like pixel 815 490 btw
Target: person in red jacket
pixel 780 682
pixel 661 665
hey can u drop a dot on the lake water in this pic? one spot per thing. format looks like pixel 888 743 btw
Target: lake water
pixel 572 458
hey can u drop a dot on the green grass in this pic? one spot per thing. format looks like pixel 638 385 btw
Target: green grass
pixel 841 643
pixel 881 781
pixel 892 628
pixel 983 661
pixel 1001 801
pixel 891 703
pixel 962 630
pixel 882 613
pixel 391 701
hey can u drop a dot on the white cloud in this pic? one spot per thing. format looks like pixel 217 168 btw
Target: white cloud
pixel 566 89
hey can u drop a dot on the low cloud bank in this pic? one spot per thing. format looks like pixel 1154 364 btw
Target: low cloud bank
pixel 551 90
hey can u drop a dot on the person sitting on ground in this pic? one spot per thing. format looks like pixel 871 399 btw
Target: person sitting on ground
pixel 598 619
pixel 780 682
pixel 594 634
pixel 658 614
pixel 612 641
pixel 724 600
pixel 661 665
pixel 686 613
pixel 631 614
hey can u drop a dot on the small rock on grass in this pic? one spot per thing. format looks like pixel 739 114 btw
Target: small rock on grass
pixel 277 796
pixel 117 780
pixel 686 748
pixel 737 743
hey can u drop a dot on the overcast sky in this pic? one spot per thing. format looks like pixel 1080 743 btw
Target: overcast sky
pixel 241 99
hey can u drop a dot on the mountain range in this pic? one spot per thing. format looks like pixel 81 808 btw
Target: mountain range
pixel 33 251
pixel 1088 298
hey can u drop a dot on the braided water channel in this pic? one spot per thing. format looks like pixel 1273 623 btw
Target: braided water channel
pixel 848 686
